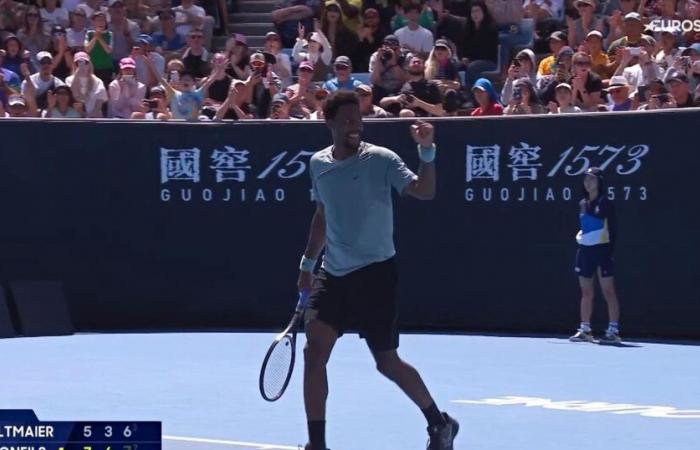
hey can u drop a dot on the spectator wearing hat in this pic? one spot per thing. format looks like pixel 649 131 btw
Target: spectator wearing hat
pixel 62 56
pixel 678 86
pixel 155 107
pixel 235 106
pixel 524 99
pixel 413 36
pixel 195 57
pixel 98 44
pixel 556 41
pixel 561 73
pixel 486 98
pixel 564 97
pixel 301 95
pixel 19 106
pixel 619 94
pixel 143 48
pixel 168 41
pixel 370 36
pixel 523 66
pixel 641 68
pixel 367 108
pixel 418 97
pixel 279 107
pixel 52 14
pixel 283 65
pixel 343 40
pixel 343 78
pixel 632 27
pixel 319 52
pixel 441 67
pixel 43 81
pixel 237 54
pixel 290 14
pixel 593 46
pixel 578 29
pixel 400 19
pixel 124 31
pixel 61 104
pixel 126 92
pixel 87 88
pixel 32 37
pixel 386 67
pixel 75 35
pixel 262 84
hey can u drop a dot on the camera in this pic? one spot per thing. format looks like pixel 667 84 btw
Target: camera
pixel 635 51
pixel 152 102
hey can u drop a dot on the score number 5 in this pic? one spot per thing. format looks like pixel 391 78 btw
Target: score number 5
pixel 109 431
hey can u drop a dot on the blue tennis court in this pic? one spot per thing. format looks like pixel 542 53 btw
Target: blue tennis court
pixel 509 393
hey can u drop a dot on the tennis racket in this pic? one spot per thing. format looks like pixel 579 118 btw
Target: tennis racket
pixel 278 365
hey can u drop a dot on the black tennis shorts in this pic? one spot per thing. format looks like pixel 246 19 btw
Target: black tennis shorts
pixel 364 300
pixel 589 258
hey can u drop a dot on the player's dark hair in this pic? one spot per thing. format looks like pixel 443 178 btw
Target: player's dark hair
pixel 338 99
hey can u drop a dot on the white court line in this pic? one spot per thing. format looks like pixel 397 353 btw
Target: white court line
pixel 255 445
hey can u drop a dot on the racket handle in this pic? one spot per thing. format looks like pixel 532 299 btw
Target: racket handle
pixel 303 298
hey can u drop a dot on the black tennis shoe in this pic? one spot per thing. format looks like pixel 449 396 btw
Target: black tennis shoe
pixel 442 437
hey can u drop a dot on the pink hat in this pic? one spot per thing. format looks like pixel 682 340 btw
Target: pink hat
pixel 127 63
pixel 81 56
pixel 306 65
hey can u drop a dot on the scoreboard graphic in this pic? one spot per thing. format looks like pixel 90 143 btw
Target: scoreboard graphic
pixel 22 430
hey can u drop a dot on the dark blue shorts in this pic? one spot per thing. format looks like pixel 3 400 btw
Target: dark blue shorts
pixel 588 259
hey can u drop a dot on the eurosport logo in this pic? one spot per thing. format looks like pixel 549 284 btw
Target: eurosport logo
pixel 674 26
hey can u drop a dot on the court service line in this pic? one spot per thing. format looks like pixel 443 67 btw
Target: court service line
pixel 255 445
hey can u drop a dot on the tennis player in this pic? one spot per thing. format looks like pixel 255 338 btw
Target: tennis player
pixel 356 284
pixel 596 242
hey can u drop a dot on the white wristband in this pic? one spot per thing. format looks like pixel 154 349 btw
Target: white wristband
pixel 427 155
pixel 307 264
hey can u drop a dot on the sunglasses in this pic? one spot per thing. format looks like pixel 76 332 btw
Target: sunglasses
pixel 582 63
pixel 196 36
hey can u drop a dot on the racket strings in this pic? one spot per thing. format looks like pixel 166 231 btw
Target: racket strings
pixel 277 368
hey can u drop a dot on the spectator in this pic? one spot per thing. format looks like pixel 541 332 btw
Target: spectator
pixel 481 42
pixel 556 41
pixel 31 36
pixel 587 86
pixel 188 17
pixel 124 31
pixel 441 68
pixel 235 106
pixel 593 46
pixel 367 108
pixel 52 14
pixel 425 20
pixel 62 56
pixel 564 97
pixel 290 15
pixel 279 107
pixel 221 85
pixel 343 78
pixel 301 95
pixel 451 103
pixel 619 94
pixel 10 14
pixel 692 12
pixel 386 10
pixel 239 60
pixel 168 41
pixel 418 97
pixel 9 83
pixel 18 106
pixel 138 12
pixel 262 84
pixel 689 64
pixel 587 22
pixel 155 107
pixel 62 105
pixel 319 52
pixel 92 6
pixel 544 11
pixel 14 55
pixel 633 36
pixel 371 34
pixel 343 40
pixel 524 99
pixel 681 96
pixel 87 88
pixel 70 5
pixel 450 26
pixel 508 16
pixel 386 67
pixel 126 92
pixel 561 73
pixel 75 35
pixel 487 99
pixel 195 57
pixel 414 37
pixel 143 48
pixel 319 97
pixel 641 68
pixel 42 81
pixel 669 51
pixel 523 66
pixel 283 65
pixel 98 44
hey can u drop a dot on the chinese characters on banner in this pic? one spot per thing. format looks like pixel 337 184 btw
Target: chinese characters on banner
pixel 529 180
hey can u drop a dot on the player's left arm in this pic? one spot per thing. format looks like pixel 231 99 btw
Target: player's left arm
pixel 423 187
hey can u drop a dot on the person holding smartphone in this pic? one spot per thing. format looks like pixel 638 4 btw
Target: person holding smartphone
pixel 418 97
pixel 596 243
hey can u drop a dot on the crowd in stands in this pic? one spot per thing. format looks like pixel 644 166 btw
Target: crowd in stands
pixel 154 60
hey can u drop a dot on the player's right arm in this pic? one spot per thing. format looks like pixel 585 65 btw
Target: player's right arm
pixel 317 240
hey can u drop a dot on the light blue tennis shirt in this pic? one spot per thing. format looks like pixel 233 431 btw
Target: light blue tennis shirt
pixel 356 195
